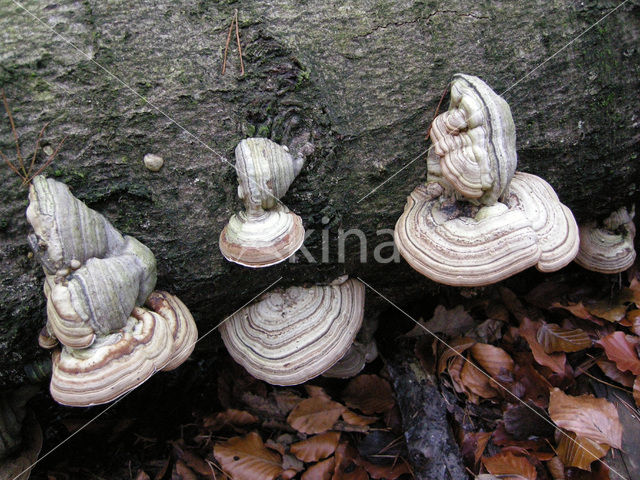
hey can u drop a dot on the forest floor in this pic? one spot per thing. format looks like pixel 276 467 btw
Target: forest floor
pixel 523 382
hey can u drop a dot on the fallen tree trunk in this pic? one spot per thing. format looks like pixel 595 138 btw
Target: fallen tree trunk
pixel 358 83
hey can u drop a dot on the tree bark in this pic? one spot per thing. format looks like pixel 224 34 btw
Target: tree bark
pixel 360 81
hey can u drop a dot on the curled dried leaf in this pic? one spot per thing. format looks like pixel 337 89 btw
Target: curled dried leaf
pixel 476 382
pixel 633 317
pixel 183 471
pixel 230 417
pixel 387 472
pixel 621 351
pixel 473 445
pixel 557 339
pixel 636 391
pixel 452 322
pixel 316 391
pixel 246 458
pixel 320 471
pixel 370 394
pixel 353 418
pixel 455 348
pixel 611 370
pixel 576 309
pixel 506 463
pixel 455 370
pixel 580 452
pixel 593 418
pixel 316 448
pixel 493 359
pixel 555 361
pixel 315 415
pixel 556 468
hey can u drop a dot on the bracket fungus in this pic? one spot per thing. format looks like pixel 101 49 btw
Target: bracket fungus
pixel 293 335
pixel 96 281
pixel 609 248
pixel 477 221
pixel 266 232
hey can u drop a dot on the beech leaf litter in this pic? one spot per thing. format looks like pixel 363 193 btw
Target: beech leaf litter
pixel 536 386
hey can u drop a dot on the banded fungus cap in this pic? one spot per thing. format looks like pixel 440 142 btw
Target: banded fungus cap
pixel 482 247
pixel 291 336
pixel 265 233
pixel 474 142
pixel 262 239
pixel 265 172
pixel 352 363
pixel 553 222
pixel 609 248
pixel 94 275
pixel 117 363
pixel 457 244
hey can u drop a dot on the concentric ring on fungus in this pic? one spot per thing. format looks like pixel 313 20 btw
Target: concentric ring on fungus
pixel 293 335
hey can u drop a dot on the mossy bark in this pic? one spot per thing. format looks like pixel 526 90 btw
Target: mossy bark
pixel 360 81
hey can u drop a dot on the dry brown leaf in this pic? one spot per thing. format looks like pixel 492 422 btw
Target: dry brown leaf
pixel 586 416
pixel 358 420
pixel 530 386
pixel 315 415
pixel 557 339
pixel 316 448
pixel 183 472
pixel 555 361
pixel 451 323
pixel 513 303
pixel 509 464
pixel 345 456
pixel 286 400
pixel 576 309
pixel 636 391
pixel 611 370
pixel 579 452
pixel 290 462
pixel 455 348
pixel 369 394
pixel 288 474
pixel 246 458
pixel 635 322
pixel 454 370
pixel 316 391
pixel 142 475
pixel 497 311
pixel 494 360
pixel 320 471
pixel 195 463
pixel 621 351
pixel 607 311
pixel 388 472
pixel 473 445
pixel 556 468
pixel 358 473
pixel 230 417
pixel 476 381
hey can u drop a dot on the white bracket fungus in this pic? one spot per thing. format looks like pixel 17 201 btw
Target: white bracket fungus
pixel 291 336
pixel 608 249
pixel 95 282
pixel 477 221
pixel 266 232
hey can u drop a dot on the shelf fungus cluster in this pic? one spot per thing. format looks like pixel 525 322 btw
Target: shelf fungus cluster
pixel 477 221
pixel 290 336
pixel 96 281
pixel 266 232
pixel 608 248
